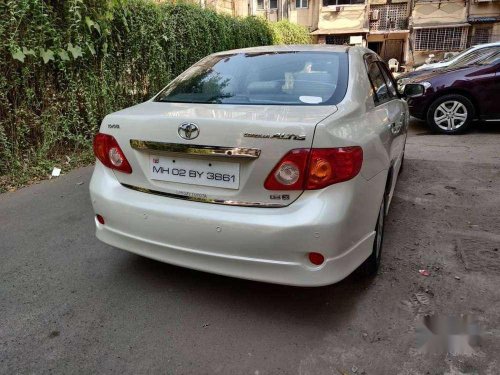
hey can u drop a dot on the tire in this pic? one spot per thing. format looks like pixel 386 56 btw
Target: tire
pixel 451 114
pixel 372 264
pixel 402 163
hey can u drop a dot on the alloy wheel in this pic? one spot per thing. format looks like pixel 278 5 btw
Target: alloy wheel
pixel 450 115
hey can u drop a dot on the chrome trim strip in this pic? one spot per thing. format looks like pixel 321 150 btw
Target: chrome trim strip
pixel 204 200
pixel 180 148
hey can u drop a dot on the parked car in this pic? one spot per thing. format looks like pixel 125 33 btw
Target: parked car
pixel 451 99
pixel 446 62
pixel 467 59
pixel 275 164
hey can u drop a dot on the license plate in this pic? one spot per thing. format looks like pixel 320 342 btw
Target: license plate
pixel 195 172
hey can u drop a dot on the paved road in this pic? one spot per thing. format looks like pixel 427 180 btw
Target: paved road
pixel 70 304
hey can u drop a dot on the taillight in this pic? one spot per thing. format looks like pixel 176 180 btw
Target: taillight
pixel 305 169
pixel 289 172
pixel 329 166
pixel 106 149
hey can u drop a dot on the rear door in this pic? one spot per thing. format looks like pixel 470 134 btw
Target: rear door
pixel 389 109
pixel 400 124
pixel 484 83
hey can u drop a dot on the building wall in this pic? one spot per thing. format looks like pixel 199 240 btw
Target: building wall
pixel 431 13
pixel 489 10
pixel 484 8
pixel 307 17
pixel 350 17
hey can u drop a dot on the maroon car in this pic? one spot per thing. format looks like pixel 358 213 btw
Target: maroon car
pixel 451 99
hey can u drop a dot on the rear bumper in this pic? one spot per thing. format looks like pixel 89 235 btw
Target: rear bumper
pixel 263 244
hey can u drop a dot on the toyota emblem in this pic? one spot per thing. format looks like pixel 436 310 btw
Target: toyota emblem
pixel 188 130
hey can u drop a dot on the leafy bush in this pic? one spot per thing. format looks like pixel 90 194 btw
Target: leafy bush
pixel 66 64
pixel 285 32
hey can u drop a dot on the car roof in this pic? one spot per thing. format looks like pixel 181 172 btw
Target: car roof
pixel 493 44
pixel 292 48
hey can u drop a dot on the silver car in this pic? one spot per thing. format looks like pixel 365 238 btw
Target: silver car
pixel 275 164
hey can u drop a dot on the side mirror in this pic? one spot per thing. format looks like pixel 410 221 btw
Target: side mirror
pixel 413 90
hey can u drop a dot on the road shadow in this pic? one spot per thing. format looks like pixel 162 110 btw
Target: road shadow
pixel 420 127
pixel 293 304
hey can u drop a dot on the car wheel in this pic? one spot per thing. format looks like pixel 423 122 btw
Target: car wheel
pixel 402 162
pixel 372 264
pixel 450 114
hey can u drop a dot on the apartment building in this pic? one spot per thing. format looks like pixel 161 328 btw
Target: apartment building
pixel 382 25
pixel 407 30
pixel 389 29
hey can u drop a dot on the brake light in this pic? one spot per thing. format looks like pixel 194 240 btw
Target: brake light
pixel 107 150
pixel 288 174
pixel 305 169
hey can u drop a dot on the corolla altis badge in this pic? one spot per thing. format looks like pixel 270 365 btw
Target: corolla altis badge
pixel 188 130
pixel 293 137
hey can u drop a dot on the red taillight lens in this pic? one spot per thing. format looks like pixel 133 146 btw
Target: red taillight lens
pixel 106 149
pixel 304 169
pixel 288 174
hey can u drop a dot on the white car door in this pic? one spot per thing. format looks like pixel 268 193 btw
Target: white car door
pixel 390 112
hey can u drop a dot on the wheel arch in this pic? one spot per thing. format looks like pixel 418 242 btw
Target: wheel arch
pixel 452 91
pixel 387 189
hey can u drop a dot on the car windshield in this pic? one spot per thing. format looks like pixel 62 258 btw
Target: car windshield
pixel 286 78
pixel 475 57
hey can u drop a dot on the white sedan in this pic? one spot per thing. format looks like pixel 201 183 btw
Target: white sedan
pixel 275 164
pixel 458 58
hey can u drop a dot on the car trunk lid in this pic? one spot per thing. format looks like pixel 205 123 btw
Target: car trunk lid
pixel 228 157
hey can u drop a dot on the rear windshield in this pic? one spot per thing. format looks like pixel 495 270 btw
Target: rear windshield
pixel 286 78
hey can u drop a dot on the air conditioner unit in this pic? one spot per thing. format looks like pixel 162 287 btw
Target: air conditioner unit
pixel 375 15
pixel 335 8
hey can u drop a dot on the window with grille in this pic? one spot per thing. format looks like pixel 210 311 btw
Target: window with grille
pixel 273 4
pixel 260 4
pixel 342 2
pixel 301 3
pixel 337 39
pixel 389 17
pixel 481 35
pixel 442 39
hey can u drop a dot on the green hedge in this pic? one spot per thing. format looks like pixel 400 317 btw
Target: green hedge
pixel 285 32
pixel 66 64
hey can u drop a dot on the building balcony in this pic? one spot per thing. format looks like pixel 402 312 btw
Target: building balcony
pixel 389 18
pixel 389 25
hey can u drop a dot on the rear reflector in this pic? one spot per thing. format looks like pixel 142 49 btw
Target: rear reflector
pixel 311 169
pixel 106 149
pixel 316 258
pixel 100 219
